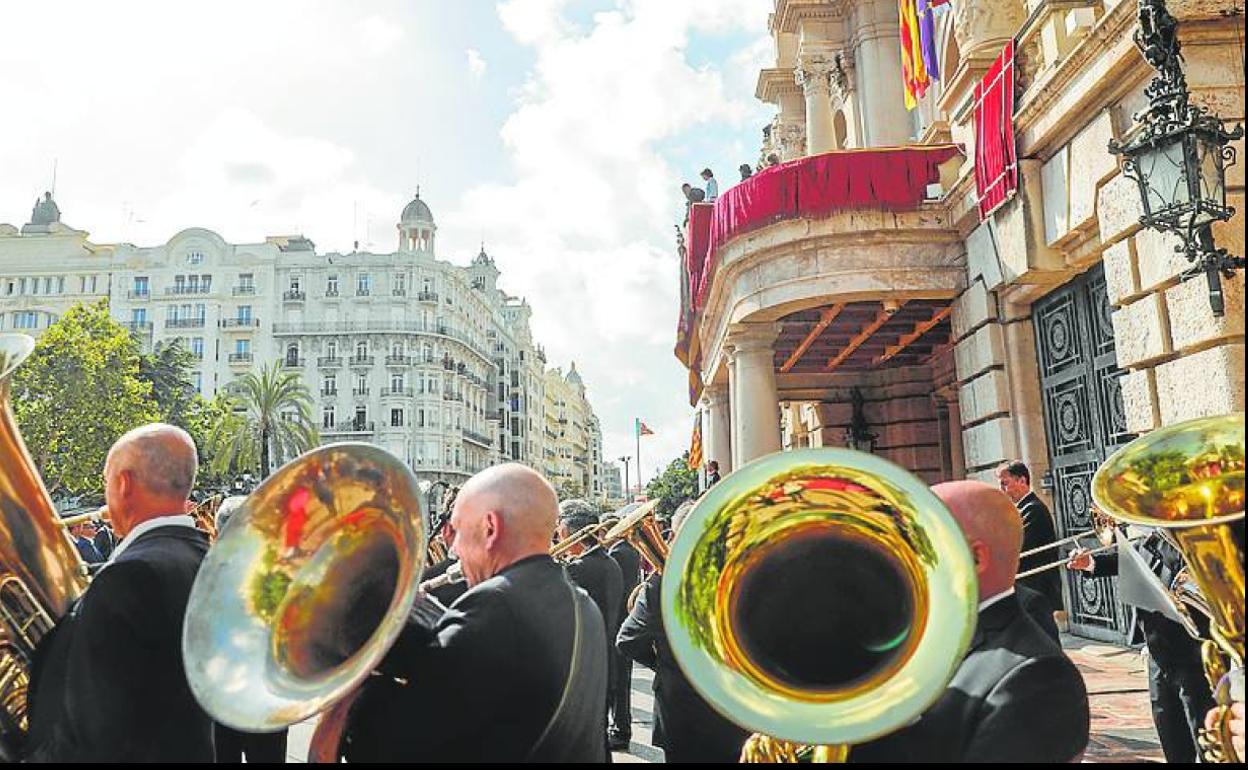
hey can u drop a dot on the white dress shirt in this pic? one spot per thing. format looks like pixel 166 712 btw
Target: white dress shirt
pixel 991 600
pixel 171 520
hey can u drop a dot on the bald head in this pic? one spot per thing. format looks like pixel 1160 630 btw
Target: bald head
pixel 993 528
pixel 502 514
pixel 149 472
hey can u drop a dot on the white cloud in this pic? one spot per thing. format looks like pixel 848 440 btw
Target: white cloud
pixel 476 64
pixel 378 34
pixel 585 228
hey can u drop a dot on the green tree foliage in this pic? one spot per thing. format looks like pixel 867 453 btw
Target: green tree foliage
pixel 270 420
pixel 676 484
pixel 168 369
pixel 76 394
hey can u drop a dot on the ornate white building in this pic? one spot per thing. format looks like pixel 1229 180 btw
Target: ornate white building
pixel 429 359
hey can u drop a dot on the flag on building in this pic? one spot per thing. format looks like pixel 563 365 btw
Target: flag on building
pixel 643 429
pixel 695 444
pixel 927 36
pixel 913 71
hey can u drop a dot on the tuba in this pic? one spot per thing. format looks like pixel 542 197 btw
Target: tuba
pixel 762 600
pixel 40 571
pixel 1187 480
pixel 306 588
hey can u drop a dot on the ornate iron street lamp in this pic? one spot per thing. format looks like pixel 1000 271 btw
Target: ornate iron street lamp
pixel 1179 155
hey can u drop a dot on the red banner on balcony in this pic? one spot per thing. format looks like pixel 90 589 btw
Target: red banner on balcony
pixel 892 179
pixel 996 160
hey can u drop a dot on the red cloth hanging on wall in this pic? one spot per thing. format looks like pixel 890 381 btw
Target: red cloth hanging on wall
pixel 996 159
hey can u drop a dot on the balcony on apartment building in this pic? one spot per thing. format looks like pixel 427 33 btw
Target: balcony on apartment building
pixel 294 295
pixel 478 439
pixel 397 393
pixel 240 323
pixel 354 426
pixel 196 322
pixel 363 360
pixel 293 362
pixel 184 290
pixel 244 290
pixel 329 362
pixel 241 358
pixel 399 360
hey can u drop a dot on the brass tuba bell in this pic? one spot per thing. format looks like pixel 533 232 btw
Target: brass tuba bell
pixel 1187 480
pixel 820 596
pixel 306 587
pixel 41 572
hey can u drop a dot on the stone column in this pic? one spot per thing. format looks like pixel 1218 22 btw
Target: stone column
pixel 885 118
pixel 752 382
pixel 813 74
pixel 718 427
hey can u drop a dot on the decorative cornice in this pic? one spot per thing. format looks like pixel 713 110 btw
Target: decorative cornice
pixel 775 82
pixel 789 13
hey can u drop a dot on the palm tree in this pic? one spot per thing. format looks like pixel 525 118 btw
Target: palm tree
pixel 272 418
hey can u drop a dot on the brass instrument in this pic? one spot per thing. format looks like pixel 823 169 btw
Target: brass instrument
pixel 1187 480
pixel 305 591
pixel 762 599
pixel 205 515
pixel 1102 529
pixel 563 549
pixel 94 515
pixel 640 527
pixel 41 573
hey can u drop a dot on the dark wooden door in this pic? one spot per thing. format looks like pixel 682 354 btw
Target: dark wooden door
pixel 1084 422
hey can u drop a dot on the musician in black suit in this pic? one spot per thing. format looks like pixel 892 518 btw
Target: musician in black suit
pixel 620 732
pixel 1177 687
pixel 108 683
pixel 515 670
pixel 593 570
pixel 685 726
pixel 82 535
pixel 1015 697
pixel 104 540
pixel 1038 529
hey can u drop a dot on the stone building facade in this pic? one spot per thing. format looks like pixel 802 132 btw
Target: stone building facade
pixel 429 359
pixel 1053 331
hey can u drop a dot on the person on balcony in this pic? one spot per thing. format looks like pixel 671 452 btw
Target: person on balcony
pixel 712 186
pixel 692 195
pixel 746 171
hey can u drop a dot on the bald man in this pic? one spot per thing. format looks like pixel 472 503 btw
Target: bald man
pixel 515 670
pixel 109 685
pixel 1016 697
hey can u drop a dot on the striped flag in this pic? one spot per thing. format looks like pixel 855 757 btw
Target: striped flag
pixel 695 444
pixel 913 71
pixel 643 429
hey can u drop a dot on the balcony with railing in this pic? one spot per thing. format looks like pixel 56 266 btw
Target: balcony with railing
pixel 241 358
pixel 241 323
pixel 138 294
pixel 355 426
pixel 294 363
pixel 184 323
pixel 245 290
pixel 398 292
pixel 139 327
pixel 398 360
pixel 447 396
pixel 426 296
pixel 294 295
pixel 359 392
pixel 363 360
pixel 477 438
pixel 378 326
pixel 188 291
pixel 397 393
pixel 329 392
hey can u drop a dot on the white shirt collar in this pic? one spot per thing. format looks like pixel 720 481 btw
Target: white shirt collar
pixel 991 600
pixel 171 520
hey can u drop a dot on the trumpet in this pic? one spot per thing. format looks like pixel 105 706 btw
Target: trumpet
pixel 563 549
pixel 846 671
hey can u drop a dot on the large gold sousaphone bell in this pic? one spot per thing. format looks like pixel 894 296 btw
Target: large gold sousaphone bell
pixel 306 588
pixel 1187 480
pixel 822 597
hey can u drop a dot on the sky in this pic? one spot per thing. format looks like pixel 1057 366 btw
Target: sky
pixel 557 132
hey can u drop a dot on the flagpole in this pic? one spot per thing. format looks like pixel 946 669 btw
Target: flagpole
pixel 637 435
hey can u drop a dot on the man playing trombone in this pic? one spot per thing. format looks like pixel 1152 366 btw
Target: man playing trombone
pixel 515 670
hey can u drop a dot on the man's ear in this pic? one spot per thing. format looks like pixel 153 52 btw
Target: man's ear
pixel 982 555
pixel 492 528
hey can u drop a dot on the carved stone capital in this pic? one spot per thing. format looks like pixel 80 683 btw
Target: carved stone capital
pixel 814 74
pixel 842 76
pixel 977 22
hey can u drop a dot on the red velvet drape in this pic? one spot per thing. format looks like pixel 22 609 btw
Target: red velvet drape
pixel 996 161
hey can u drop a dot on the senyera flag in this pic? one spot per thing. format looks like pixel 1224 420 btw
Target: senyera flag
pixel 695 444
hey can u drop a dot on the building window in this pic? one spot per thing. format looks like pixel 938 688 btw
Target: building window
pixel 361 349
pixel 244 313
pixel 292 355
pixel 396 382
pixel 141 286
pixel 396 418
pixel 327 417
pixel 331 349
pixel 329 385
pixel 93 284
pixel 138 316
pixel 361 383
pixel 242 347
pixel 28 319
pixel 400 285
pixel 194 257
pixel 361 417
pixel 331 286
pixel 364 284
pixel 197 347
pixel 247 282
pixel 199 380
pixel 295 282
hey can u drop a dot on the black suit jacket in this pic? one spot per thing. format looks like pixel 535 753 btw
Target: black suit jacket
pixel 1038 530
pixel 600 576
pixel 686 726
pixel 487 676
pixel 629 562
pixel 109 685
pixel 1016 697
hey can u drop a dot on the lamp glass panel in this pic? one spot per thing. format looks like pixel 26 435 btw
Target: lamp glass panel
pixel 1212 174
pixel 1164 176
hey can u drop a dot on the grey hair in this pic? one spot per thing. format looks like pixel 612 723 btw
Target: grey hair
pixel 577 513
pixel 162 458
pixel 681 513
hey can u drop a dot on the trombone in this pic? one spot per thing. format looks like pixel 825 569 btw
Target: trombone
pixel 562 550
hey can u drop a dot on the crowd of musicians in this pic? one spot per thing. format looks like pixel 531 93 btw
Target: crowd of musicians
pixel 530 659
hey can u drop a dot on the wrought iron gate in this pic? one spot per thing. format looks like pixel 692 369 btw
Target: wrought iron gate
pixel 1084 422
